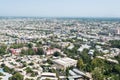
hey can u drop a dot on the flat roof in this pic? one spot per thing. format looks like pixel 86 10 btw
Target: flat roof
pixel 48 74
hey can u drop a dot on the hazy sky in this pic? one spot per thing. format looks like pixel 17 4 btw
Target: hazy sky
pixel 57 8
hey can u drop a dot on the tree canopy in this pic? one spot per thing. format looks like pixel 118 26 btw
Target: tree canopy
pixel 56 54
pixel 17 76
pixel 115 43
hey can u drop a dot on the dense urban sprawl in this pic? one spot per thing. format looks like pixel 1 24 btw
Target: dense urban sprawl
pixel 34 48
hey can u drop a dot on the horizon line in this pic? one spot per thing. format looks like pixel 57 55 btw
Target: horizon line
pixel 57 17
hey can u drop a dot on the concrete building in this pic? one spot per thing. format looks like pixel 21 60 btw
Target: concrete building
pixel 48 75
pixel 63 63
pixel 52 51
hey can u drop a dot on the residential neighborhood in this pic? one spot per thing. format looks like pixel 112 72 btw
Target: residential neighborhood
pixel 59 49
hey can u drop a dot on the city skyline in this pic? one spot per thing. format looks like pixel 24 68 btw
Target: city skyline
pixel 61 8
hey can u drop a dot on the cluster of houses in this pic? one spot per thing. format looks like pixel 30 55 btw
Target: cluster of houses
pixel 55 31
pixel 47 51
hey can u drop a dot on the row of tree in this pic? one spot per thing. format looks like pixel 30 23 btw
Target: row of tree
pixel 31 51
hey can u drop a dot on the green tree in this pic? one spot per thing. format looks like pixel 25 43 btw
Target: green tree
pixel 67 71
pixel 31 51
pixel 17 76
pixel 1 74
pixel 115 43
pixel 2 65
pixel 40 51
pixel 28 70
pixel 30 45
pixel 88 67
pixel 23 52
pixel 39 44
pixel 47 79
pixel 15 46
pixel 85 57
pixel 117 68
pixel 118 58
pixel 80 64
pixel 56 54
pixel 97 74
pixel 2 49
pixel 97 62
pixel 7 69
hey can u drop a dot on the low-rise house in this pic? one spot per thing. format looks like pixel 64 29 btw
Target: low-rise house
pixel 105 51
pixel 72 73
pixel 98 48
pixel 91 52
pixel 15 51
pixel 19 41
pixel 48 75
pixel 83 47
pixel 50 51
pixel 63 44
pixel 18 50
pixel 82 74
pixel 71 46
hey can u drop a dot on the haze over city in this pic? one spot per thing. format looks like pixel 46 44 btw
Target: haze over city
pixel 60 8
